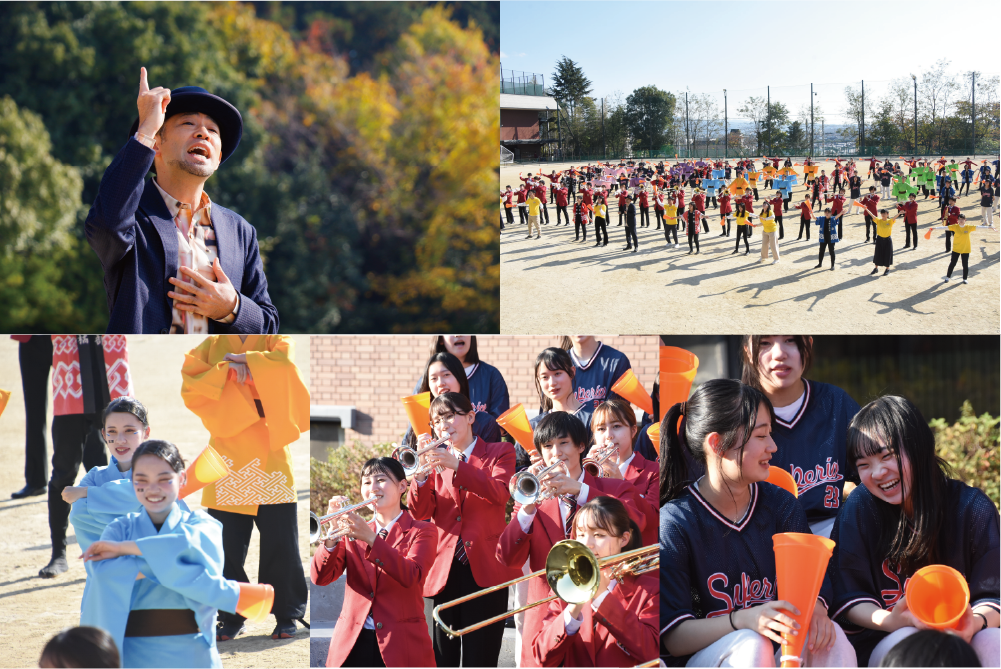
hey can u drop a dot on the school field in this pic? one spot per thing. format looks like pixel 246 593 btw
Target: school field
pixel 555 285
pixel 32 609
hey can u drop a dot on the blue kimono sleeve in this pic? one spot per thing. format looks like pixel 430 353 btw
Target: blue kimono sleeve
pixel 107 597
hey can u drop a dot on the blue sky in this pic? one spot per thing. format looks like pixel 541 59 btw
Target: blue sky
pixel 787 45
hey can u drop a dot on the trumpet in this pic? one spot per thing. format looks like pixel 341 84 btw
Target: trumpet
pixel 526 487
pixel 316 523
pixel 593 464
pixel 411 460
pixel 573 573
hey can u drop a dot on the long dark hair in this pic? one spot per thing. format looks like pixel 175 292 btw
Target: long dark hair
pixel 750 350
pixel 126 405
pixel 388 466
pixel 453 365
pixel 896 423
pixel 931 648
pixel 554 359
pixel 724 406
pixel 438 345
pixel 609 514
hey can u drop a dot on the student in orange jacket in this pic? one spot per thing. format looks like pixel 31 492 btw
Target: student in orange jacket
pixel 465 502
pixel 619 626
pixel 387 560
pixel 535 528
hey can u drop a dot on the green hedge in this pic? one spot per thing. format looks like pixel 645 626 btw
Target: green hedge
pixel 341 473
pixel 970 446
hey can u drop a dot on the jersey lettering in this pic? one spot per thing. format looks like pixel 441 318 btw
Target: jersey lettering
pixel 596 394
pixel 891 595
pixel 746 593
pixel 479 406
pixel 819 475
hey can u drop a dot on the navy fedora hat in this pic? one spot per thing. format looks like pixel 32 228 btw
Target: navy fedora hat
pixel 188 99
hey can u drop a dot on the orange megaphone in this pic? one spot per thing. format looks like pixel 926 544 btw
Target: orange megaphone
pixel 4 397
pixel 418 409
pixel 677 371
pixel 928 234
pixel 629 386
pixel 207 468
pixel 783 479
pixel 515 421
pixel 653 431
pixel 938 595
pixel 256 600
pixel 800 563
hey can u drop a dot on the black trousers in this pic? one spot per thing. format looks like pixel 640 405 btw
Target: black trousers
pixel 644 216
pixel 545 213
pixel 35 358
pixel 868 222
pixel 782 232
pixel 911 228
pixel 510 215
pixel 693 239
pixel 279 565
pixel 841 235
pixel 577 226
pixel 755 194
pixel 804 224
pixel 671 231
pixel 622 215
pixel 743 231
pixel 522 215
pixel 365 652
pixel 75 439
pixel 960 191
pixel 600 228
pixel 966 264
pixel 826 246
pixel 562 211
pixel 631 236
pixel 659 213
pixel 476 649
pixel 785 203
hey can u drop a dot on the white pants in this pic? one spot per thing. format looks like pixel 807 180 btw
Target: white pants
pixel 886 192
pixel 520 595
pixel 747 648
pixel 768 241
pixel 986 644
pixel 988 214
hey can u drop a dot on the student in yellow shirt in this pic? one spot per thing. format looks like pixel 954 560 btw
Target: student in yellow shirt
pixel 743 228
pixel 600 218
pixel 671 222
pixel 534 205
pixel 883 255
pixel 960 245
pixel 768 234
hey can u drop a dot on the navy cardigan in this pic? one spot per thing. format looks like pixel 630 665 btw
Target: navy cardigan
pixel 133 233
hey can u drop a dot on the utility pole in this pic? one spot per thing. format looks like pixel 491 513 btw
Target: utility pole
pixel 973 114
pixel 768 116
pixel 823 138
pixel 603 152
pixel 811 119
pixel 915 113
pixel 687 140
pixel 861 146
pixel 726 131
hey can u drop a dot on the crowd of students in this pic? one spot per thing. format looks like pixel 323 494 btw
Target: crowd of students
pixel 587 194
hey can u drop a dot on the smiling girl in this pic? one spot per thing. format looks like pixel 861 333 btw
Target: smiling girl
pixel 811 421
pixel 387 560
pixel 908 514
pixel 616 628
pixel 555 373
pixel 487 388
pixel 444 374
pixel 718 604
pixel 157 572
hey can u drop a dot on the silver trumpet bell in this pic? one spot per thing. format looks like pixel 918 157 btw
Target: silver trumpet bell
pixel 316 523
pixel 526 487
pixel 410 459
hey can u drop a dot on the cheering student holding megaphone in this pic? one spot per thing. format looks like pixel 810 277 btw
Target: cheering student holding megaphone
pixel 719 580
pixel 916 549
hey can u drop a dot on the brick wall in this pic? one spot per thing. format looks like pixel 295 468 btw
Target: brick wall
pixel 372 373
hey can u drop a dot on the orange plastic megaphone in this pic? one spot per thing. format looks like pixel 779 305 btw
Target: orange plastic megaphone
pixel 256 600
pixel 928 234
pixel 654 433
pixel 4 397
pixel 677 371
pixel 418 409
pixel 515 421
pixel 207 468
pixel 800 563
pixel 783 479
pixel 629 386
pixel 938 595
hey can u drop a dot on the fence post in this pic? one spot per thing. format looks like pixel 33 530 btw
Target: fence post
pixel 726 131
pixel 861 146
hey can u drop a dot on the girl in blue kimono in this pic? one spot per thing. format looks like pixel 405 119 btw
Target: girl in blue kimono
pixel 157 572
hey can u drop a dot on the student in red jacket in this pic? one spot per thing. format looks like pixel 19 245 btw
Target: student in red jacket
pixel 870 201
pixel 387 560
pixel 614 426
pixel 910 209
pixel 699 202
pixel 508 196
pixel 561 205
pixel 619 626
pixel 644 221
pixel 724 212
pixel 535 528
pixel 465 502
pixel 521 199
pixel 805 216
pixel 837 210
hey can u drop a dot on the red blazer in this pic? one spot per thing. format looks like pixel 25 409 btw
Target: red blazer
pixel 384 579
pixel 644 475
pixel 470 503
pixel 547 528
pixel 623 631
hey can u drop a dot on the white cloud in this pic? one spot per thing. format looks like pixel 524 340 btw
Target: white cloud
pixel 503 55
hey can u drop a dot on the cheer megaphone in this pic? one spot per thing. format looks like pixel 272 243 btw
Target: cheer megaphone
pixel 800 563
pixel 928 234
pixel 783 479
pixel 207 468
pixel 653 431
pixel 256 600
pixel 515 422
pixel 4 397
pixel 418 408
pixel 938 595
pixel 677 371
pixel 629 386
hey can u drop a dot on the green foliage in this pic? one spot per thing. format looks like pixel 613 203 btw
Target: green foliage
pixel 340 474
pixel 649 113
pixel 569 85
pixel 970 446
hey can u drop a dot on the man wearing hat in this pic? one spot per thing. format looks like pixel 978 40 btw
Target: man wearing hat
pixel 174 261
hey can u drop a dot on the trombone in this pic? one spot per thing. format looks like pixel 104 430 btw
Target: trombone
pixel 317 522
pixel 526 487
pixel 411 458
pixel 573 573
pixel 593 465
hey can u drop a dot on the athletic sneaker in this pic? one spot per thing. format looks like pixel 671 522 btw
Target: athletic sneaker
pixel 947 279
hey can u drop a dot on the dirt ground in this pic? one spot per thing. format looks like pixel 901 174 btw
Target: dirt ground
pixel 665 289
pixel 32 609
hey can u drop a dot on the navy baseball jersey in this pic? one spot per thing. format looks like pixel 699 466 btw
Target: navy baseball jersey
pixel 488 390
pixel 594 380
pixel 968 544
pixel 812 447
pixel 710 566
